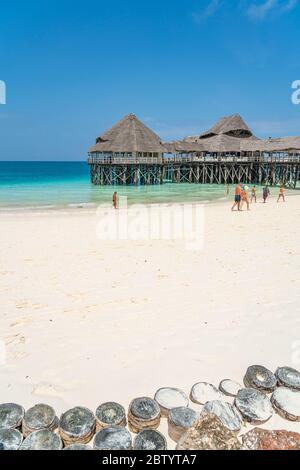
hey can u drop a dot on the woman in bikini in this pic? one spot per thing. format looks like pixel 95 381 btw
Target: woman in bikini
pixel 245 197
pixel 253 194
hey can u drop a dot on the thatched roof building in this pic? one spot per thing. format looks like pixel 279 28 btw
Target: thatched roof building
pixel 232 135
pixel 129 135
pixel 131 138
pixel 233 126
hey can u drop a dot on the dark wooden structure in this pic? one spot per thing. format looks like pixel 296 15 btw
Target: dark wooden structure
pixel 131 154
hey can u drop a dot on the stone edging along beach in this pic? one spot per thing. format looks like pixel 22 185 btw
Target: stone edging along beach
pixel 264 393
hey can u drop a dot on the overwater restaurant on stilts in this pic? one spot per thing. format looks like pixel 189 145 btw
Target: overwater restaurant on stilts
pixel 132 154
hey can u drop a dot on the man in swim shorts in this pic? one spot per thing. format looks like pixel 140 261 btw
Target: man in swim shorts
pixel 237 197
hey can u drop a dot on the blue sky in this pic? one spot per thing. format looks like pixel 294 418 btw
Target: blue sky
pixel 73 68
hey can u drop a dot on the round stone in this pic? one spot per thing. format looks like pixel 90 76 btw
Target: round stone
pixel 288 377
pixel 78 447
pixel 10 439
pixel 42 440
pixel 38 417
pixel 183 417
pixel 169 398
pixel 144 408
pixel 77 425
pixel 287 403
pixel 229 387
pixel 254 405
pixel 149 439
pixel 203 392
pixel 11 415
pixel 110 414
pixel 261 378
pixel 228 414
pixel 179 420
pixel 113 438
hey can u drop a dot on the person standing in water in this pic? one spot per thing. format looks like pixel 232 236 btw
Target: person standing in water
pixel 253 194
pixel 237 197
pixel 114 200
pixel 266 193
pixel 281 194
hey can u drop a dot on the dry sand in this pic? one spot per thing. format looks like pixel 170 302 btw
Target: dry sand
pixel 86 321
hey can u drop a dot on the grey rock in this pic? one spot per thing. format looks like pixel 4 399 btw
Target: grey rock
pixel 169 398
pixel 179 420
pixel 288 377
pixel 113 438
pixel 77 422
pixel 229 387
pixel 110 414
pixel 227 413
pixel 203 392
pixel 42 440
pixel 253 405
pixel 261 378
pixel 149 439
pixel 144 408
pixel 286 402
pixel 10 439
pixel 11 415
pixel 38 417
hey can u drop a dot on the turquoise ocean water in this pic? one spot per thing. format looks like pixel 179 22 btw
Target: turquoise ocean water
pixel 51 185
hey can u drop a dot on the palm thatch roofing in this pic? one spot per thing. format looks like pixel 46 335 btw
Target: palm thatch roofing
pixel 178 146
pixel 128 135
pixel 229 135
pixel 230 125
pixel 232 135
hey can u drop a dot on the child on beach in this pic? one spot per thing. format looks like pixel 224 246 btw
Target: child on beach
pixel 281 194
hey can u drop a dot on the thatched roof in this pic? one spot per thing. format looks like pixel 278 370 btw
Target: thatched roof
pixel 230 125
pixel 222 143
pixel 230 135
pixel 128 135
pixel 178 146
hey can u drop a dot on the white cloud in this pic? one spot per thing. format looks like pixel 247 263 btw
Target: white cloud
pixel 260 10
pixel 254 10
pixel 208 11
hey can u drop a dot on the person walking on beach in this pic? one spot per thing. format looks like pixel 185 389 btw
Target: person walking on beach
pixel 237 197
pixel 266 193
pixel 281 194
pixel 245 197
pixel 114 200
pixel 253 194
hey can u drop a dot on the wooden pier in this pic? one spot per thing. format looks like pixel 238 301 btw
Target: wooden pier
pixel 132 154
pixel 206 170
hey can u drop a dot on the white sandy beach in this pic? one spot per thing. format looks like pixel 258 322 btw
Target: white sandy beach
pixel 86 321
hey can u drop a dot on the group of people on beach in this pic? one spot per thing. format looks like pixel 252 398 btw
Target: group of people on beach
pixel 241 196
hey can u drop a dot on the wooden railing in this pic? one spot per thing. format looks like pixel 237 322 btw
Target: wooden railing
pixel 179 159
pixel 125 160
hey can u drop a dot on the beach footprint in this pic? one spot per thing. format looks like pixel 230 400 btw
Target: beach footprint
pixel 47 389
